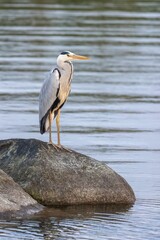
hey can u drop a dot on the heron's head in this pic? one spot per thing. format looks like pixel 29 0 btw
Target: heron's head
pixel 69 56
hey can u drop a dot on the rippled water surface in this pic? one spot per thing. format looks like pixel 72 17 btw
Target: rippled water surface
pixel 112 114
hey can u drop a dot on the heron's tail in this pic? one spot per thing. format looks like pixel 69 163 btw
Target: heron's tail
pixel 44 124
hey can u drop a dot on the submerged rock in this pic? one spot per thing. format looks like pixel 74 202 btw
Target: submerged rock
pixel 60 177
pixel 14 200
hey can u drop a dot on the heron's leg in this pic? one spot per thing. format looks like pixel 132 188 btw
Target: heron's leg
pixel 58 127
pixel 50 132
pixel 58 133
pixel 50 128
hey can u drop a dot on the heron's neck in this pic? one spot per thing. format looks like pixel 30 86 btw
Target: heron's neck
pixel 65 66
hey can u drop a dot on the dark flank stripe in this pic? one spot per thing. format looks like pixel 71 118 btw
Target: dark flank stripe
pixel 58 72
pixel 55 113
pixel 58 90
pixel 55 104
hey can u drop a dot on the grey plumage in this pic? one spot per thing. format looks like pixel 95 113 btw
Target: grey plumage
pixel 55 91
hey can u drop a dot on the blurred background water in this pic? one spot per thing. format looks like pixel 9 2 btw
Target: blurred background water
pixel 112 114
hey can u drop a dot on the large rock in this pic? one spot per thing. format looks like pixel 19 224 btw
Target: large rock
pixel 14 200
pixel 60 177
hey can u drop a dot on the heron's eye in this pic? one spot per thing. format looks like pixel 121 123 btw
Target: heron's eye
pixel 67 55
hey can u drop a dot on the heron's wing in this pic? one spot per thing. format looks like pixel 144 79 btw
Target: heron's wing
pixel 48 96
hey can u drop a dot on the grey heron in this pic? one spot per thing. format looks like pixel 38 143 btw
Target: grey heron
pixel 54 93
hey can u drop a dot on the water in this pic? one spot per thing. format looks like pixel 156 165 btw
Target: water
pixel 112 113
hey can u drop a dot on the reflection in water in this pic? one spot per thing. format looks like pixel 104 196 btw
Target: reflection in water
pixel 82 211
pixel 66 222
pixel 112 113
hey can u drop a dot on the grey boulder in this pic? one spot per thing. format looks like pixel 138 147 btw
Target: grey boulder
pixel 14 200
pixel 60 177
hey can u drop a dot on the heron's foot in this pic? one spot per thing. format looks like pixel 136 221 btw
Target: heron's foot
pixel 63 148
pixel 59 147
pixel 54 145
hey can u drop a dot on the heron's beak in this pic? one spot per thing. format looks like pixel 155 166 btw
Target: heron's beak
pixel 79 57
